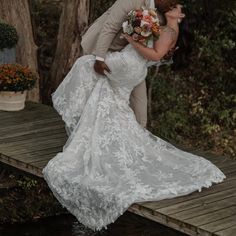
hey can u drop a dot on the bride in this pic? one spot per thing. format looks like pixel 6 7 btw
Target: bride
pixel 109 161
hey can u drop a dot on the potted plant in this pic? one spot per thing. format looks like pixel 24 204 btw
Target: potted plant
pixel 8 41
pixel 15 80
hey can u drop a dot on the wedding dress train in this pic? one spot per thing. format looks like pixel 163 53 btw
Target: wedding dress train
pixel 109 161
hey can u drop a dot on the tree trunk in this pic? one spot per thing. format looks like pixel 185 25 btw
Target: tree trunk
pixel 17 13
pixel 73 21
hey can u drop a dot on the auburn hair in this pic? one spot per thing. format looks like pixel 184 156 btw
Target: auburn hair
pixel 165 5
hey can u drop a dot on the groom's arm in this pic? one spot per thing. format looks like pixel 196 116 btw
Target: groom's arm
pixel 117 15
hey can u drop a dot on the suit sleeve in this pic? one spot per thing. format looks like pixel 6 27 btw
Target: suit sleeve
pixel 117 15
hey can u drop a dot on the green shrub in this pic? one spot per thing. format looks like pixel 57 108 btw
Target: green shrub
pixel 8 36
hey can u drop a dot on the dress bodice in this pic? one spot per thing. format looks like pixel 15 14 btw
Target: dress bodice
pixel 131 51
pixel 148 63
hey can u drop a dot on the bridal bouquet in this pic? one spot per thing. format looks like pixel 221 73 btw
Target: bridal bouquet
pixel 142 25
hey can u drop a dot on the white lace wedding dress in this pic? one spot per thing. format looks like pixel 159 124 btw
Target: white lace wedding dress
pixel 109 161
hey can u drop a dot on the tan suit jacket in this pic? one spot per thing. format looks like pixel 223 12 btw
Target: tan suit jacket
pixel 104 33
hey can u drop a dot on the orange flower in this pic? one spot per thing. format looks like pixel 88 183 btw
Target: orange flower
pixel 15 77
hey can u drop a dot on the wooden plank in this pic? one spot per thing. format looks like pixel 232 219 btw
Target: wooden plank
pixel 25 114
pixel 189 204
pixel 229 169
pixel 21 165
pixel 30 128
pixel 22 150
pixel 45 145
pixel 217 160
pixel 222 164
pixel 195 195
pixel 40 135
pixel 230 174
pixel 19 130
pixel 32 137
pixel 41 164
pixel 47 157
pixel 225 164
pixel 172 221
pixel 222 224
pixel 167 221
pixel 29 107
pixel 33 156
pixel 213 216
pixel 178 224
pixel 20 118
pixel 205 208
pixel 207 155
pixel 227 232
pixel 29 166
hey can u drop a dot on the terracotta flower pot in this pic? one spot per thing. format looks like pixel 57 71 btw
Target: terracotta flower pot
pixel 12 101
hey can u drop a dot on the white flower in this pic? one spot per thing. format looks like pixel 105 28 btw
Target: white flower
pixel 125 25
pixel 143 22
pixel 145 12
pixel 127 28
pixel 146 34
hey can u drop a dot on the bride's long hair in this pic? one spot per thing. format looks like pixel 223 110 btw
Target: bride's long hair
pixel 180 56
pixel 165 5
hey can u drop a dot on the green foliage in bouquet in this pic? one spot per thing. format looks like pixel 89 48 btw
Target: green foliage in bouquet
pixel 15 77
pixel 8 36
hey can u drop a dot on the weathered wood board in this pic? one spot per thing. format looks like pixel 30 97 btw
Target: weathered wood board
pixel 31 137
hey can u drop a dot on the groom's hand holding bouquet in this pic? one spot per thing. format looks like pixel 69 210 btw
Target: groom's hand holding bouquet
pixel 142 25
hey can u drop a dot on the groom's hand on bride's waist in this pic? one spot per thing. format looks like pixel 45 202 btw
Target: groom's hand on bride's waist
pixel 100 67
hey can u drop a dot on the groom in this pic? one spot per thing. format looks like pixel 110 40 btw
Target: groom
pixel 104 34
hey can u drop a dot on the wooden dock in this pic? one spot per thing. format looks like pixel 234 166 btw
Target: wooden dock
pixel 31 137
